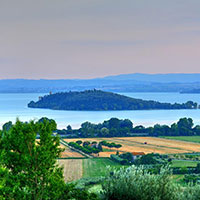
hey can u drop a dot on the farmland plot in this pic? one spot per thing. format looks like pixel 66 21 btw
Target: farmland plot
pixel 73 169
pixel 68 153
pixel 147 145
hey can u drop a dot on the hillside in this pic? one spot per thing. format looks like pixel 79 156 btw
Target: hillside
pixel 100 100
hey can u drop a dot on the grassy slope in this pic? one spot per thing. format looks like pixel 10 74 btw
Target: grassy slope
pixel 184 138
pixel 184 163
pixel 97 166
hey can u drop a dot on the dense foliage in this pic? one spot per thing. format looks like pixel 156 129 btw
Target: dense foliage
pixel 147 159
pixel 33 172
pixel 136 183
pixel 110 144
pixel 100 100
pixel 29 168
pixel 115 127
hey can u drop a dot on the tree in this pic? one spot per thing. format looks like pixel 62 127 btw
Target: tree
pixel 86 143
pixel 79 142
pixel 100 147
pixel 33 172
pixel 185 126
pixel 197 129
pixel 105 132
pixel 114 123
pixel 118 146
pixel 174 129
pixel 198 168
pixel 126 124
pixel 147 159
pixel 69 129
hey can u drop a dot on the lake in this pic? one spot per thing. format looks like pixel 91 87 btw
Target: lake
pixel 15 105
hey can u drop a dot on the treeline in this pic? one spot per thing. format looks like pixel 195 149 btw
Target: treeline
pixel 86 149
pixel 147 159
pixel 115 127
pixel 96 100
pixel 93 147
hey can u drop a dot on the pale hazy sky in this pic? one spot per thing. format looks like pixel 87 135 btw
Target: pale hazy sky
pixel 94 38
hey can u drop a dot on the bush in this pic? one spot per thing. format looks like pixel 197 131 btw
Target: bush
pixel 192 178
pixel 116 158
pixel 83 182
pixel 71 192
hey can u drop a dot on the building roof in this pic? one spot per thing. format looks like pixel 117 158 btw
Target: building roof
pixel 138 153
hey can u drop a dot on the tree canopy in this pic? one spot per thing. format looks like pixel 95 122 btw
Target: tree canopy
pixel 33 172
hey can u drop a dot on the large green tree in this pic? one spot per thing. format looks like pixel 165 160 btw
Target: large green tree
pixel 33 172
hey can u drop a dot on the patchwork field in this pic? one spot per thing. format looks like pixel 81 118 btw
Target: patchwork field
pixel 75 169
pixel 147 145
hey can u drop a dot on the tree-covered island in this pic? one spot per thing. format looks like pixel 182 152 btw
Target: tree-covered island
pixel 97 100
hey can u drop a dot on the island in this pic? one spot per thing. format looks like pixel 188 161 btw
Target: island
pixel 97 100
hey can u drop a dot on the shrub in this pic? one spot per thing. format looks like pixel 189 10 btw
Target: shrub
pixel 71 192
pixel 192 178
pixel 83 182
pixel 116 158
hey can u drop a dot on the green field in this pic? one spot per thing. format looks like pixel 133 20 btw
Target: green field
pixel 97 166
pixel 184 138
pixel 184 163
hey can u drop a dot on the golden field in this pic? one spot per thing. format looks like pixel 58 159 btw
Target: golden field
pixel 73 168
pixel 146 145
pixel 68 153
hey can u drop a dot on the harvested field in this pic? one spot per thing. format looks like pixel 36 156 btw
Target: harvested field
pixel 68 153
pixel 147 145
pixel 73 169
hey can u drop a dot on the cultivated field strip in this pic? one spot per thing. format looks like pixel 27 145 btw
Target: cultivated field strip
pixel 147 145
pixel 73 168
pixel 68 153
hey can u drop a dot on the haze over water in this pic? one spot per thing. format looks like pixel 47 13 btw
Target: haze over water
pixel 15 105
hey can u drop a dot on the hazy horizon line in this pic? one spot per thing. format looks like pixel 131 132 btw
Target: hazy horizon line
pixel 102 77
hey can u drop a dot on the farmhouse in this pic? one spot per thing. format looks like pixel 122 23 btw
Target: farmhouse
pixel 137 154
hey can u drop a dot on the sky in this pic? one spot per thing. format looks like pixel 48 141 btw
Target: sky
pixel 58 39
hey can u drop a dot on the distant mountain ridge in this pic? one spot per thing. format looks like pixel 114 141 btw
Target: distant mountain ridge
pixel 136 82
pixel 162 78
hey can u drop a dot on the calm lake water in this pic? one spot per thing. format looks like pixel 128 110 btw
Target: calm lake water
pixel 15 105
